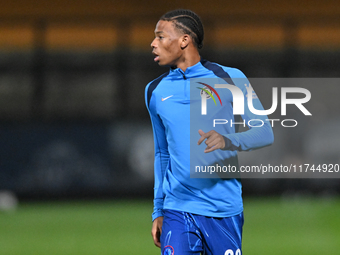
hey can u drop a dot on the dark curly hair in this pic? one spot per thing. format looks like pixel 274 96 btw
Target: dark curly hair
pixel 188 22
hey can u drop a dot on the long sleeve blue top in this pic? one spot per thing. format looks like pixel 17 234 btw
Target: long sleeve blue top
pixel 174 105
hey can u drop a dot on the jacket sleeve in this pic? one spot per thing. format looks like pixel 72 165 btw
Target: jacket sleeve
pixel 161 154
pixel 260 133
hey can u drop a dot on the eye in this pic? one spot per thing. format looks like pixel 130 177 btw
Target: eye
pixel 160 37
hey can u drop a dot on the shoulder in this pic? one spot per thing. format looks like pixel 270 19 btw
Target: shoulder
pixel 154 83
pixel 232 71
pixel 151 86
pixel 221 70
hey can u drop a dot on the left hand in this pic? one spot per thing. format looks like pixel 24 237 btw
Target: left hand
pixel 214 140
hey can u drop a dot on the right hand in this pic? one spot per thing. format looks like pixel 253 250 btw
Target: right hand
pixel 156 231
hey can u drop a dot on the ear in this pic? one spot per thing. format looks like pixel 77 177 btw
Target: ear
pixel 185 40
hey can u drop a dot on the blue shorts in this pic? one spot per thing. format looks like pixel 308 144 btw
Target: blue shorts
pixel 186 233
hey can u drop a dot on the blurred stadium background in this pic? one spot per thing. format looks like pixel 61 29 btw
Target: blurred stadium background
pixel 74 126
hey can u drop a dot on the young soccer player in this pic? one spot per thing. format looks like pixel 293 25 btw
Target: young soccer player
pixel 193 215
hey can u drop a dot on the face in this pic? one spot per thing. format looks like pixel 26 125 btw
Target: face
pixel 167 45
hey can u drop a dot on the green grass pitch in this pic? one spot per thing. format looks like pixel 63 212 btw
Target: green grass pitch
pixel 272 226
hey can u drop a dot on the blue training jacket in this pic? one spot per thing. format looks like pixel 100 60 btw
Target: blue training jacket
pixel 174 103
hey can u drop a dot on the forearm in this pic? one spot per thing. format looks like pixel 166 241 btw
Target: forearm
pixel 161 162
pixel 256 137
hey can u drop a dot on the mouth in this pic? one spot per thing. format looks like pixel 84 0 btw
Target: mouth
pixel 156 59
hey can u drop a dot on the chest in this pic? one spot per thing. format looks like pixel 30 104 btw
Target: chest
pixel 177 101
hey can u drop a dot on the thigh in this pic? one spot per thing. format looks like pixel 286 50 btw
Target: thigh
pixel 221 235
pixel 180 235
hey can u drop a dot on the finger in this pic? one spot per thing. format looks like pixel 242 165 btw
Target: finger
pixel 206 136
pixel 157 243
pixel 213 140
pixel 214 145
pixel 201 132
pixel 210 149
pixel 203 136
pixel 156 239
pixel 213 148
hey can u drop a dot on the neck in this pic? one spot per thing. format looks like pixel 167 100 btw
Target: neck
pixel 188 59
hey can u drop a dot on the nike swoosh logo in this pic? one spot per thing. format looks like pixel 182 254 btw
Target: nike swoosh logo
pixel 163 99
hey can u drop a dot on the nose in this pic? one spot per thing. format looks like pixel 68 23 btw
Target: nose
pixel 153 43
